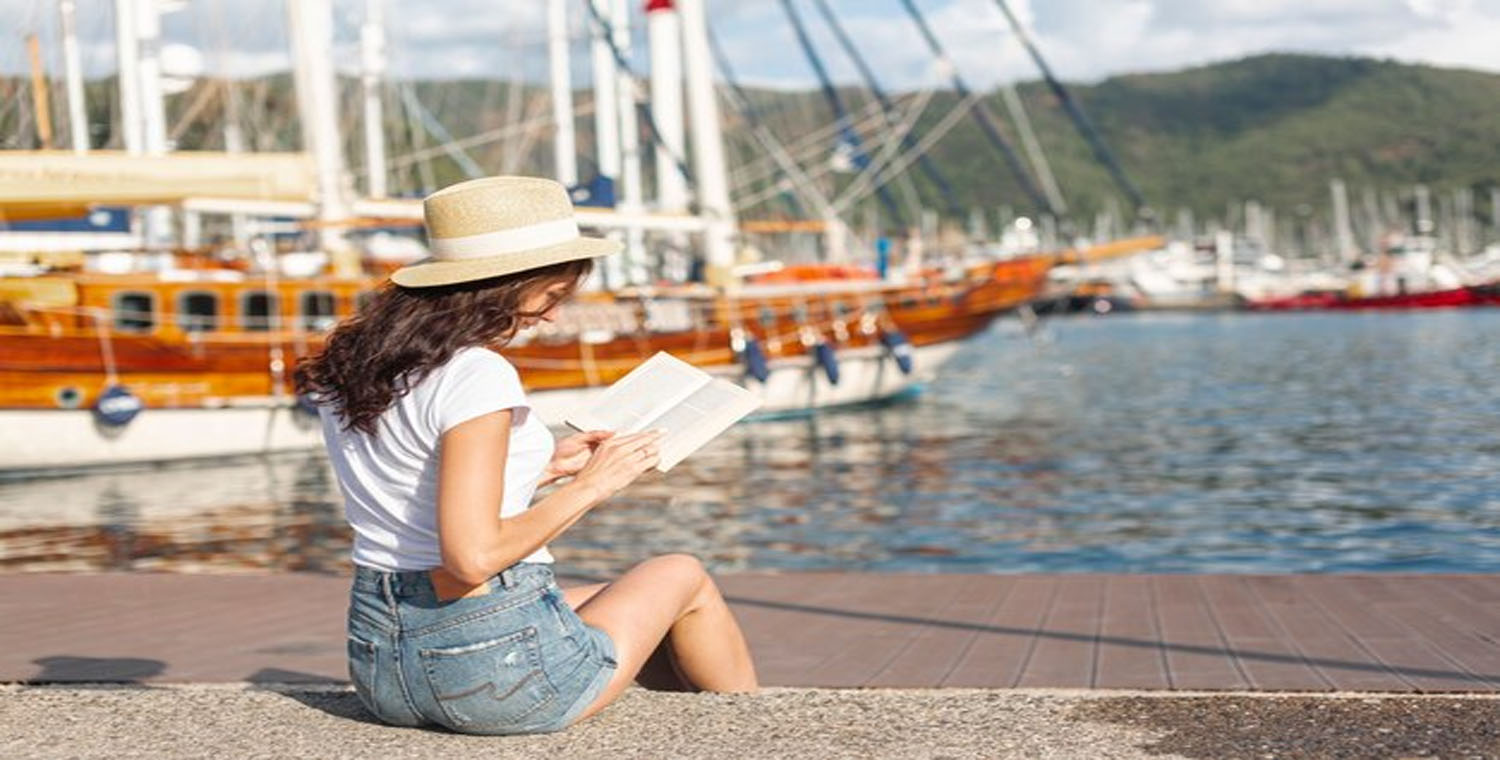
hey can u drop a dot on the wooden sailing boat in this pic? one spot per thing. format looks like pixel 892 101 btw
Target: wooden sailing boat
pixel 99 369
pixel 102 369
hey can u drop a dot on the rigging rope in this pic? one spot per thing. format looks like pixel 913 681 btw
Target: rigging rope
pixel 887 156
pixel 1033 147
pixel 437 130
pixel 808 145
pixel 1075 112
pixel 860 159
pixel 908 141
pixel 741 101
pixel 987 121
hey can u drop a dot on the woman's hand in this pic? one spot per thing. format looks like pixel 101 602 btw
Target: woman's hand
pixel 619 460
pixel 573 453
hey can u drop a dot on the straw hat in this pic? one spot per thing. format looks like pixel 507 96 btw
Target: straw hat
pixel 498 225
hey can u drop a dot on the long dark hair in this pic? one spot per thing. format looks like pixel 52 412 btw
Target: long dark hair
pixel 402 334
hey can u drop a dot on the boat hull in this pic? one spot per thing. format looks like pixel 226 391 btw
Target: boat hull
pixel 57 440
pixel 1437 299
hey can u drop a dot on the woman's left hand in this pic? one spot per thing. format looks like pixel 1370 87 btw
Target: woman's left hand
pixel 573 453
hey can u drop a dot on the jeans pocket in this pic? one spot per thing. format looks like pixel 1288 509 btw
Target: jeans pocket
pixel 493 686
pixel 375 684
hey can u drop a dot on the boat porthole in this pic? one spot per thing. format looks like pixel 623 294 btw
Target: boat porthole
pixel 68 397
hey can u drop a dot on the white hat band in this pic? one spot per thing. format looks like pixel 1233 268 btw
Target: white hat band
pixel 499 242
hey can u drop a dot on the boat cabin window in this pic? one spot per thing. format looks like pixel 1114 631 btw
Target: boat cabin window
pixel 256 310
pixel 134 311
pixel 767 317
pixel 197 311
pixel 315 309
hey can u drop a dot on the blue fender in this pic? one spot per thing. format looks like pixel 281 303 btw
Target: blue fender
pixel 823 352
pixel 307 404
pixel 900 348
pixel 117 406
pixel 755 360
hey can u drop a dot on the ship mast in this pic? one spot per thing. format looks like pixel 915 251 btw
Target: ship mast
pixel 127 50
pixel 40 102
pixel 666 102
pixel 564 146
pixel 606 122
pixel 372 57
pixel 708 148
pixel 630 145
pixel 311 24
pixel 77 117
pixel 1343 233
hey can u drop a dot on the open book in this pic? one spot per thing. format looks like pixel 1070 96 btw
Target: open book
pixel 667 392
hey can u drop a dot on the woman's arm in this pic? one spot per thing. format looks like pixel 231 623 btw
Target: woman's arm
pixel 474 543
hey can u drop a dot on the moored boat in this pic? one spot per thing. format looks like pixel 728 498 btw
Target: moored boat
pixel 106 369
pixel 1343 301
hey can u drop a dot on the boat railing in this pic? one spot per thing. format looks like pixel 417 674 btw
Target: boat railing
pixel 775 314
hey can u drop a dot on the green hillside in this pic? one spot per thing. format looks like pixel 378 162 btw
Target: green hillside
pixel 1274 128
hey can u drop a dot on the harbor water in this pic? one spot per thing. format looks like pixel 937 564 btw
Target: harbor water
pixel 1232 443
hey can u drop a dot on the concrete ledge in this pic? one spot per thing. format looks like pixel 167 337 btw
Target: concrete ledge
pixel 260 720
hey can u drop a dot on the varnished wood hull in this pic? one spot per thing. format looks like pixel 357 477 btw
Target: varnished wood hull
pixel 228 393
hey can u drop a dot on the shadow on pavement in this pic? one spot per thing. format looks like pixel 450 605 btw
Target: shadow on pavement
pixel 82 671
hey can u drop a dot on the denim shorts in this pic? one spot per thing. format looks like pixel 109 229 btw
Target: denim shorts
pixel 517 660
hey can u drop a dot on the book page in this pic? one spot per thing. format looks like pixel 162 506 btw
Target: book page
pixel 645 393
pixel 700 417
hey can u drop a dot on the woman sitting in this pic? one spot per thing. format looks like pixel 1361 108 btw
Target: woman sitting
pixel 455 617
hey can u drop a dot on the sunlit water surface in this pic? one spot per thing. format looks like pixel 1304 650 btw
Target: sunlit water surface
pixel 1136 443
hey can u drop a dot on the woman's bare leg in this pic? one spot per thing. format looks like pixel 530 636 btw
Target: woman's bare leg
pixel 659 673
pixel 670 597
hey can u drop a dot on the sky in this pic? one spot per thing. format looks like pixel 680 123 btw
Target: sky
pixel 1084 40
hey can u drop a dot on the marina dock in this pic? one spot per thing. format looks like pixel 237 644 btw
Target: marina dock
pixel 1403 633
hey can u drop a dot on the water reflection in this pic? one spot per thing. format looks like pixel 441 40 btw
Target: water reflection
pixel 1155 443
pixel 261 513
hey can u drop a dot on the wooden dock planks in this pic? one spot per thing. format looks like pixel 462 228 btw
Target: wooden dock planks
pixel 1399 633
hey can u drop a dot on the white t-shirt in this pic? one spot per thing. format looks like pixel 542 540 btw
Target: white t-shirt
pixel 389 480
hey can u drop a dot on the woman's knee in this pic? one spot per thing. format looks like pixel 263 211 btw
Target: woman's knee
pixel 682 566
pixel 686 570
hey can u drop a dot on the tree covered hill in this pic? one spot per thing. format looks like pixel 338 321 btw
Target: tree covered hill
pixel 1274 128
